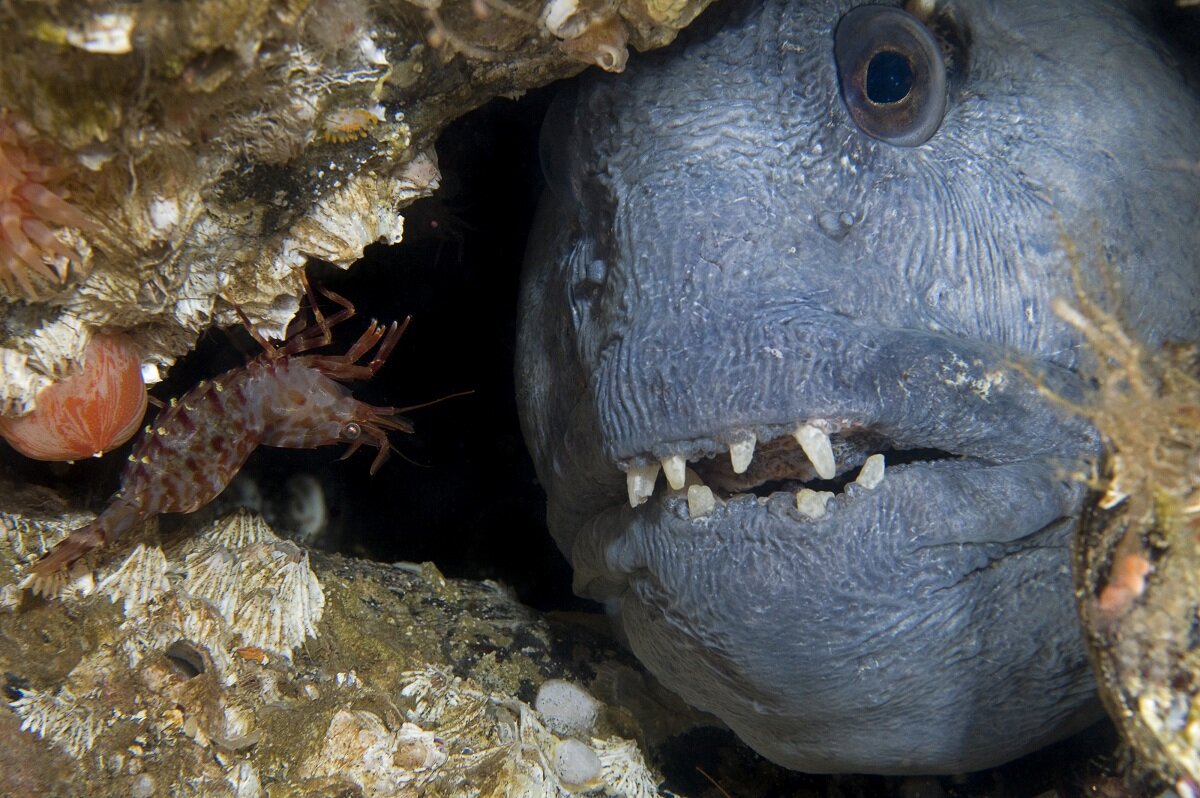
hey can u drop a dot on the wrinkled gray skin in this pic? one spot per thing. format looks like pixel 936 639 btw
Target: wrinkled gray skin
pixel 723 251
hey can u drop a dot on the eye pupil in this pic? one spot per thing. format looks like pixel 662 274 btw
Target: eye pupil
pixel 350 431
pixel 889 78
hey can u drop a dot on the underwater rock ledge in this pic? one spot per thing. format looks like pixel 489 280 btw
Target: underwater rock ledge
pixel 167 669
pixel 207 149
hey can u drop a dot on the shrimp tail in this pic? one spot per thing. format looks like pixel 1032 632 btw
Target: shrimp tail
pixel 49 573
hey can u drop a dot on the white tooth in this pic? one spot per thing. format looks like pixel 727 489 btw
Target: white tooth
pixel 871 473
pixel 700 501
pixel 741 453
pixel 639 481
pixel 673 467
pixel 816 445
pixel 812 503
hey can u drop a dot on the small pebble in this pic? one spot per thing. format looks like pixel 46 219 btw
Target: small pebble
pixel 567 709
pixel 142 787
pixel 576 764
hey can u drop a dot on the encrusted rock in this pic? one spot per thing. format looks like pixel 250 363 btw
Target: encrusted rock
pixel 194 157
pixel 1137 557
pixel 230 654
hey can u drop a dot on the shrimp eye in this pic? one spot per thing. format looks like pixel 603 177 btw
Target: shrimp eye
pixel 892 74
pixel 351 431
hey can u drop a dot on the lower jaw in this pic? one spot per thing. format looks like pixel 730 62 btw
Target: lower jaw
pixel 937 556
pixel 1017 485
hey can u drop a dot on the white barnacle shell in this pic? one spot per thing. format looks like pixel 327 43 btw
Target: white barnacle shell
pixel 240 529
pixel 259 620
pixel 139 580
pixel 436 695
pixel 282 600
pixel 28 537
pixel 419 750
pixel 109 33
pixel 624 769
pixel 212 574
pixel 59 717
pixel 360 747
pixel 237 724
pixel 53 351
pixel 18 383
pixel 244 780
pixel 342 224
pixel 177 618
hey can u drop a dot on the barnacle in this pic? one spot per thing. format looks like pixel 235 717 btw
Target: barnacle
pixel 624 768
pixel 89 413
pixel 281 599
pixel 539 763
pixel 212 575
pixel 360 748
pixel 240 529
pixel 262 586
pixel 60 717
pixel 10 597
pixel 139 580
pixel 177 618
pixel 31 207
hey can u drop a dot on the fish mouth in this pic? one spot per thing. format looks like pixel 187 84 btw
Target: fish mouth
pixel 815 574
pixel 902 399
pixel 812 461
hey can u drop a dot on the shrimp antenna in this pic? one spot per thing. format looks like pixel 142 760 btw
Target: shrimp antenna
pixel 432 402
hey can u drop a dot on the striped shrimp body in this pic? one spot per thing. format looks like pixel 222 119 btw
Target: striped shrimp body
pixel 201 440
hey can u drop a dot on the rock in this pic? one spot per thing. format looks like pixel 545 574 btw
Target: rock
pixel 1137 555
pixel 229 658
pixel 213 147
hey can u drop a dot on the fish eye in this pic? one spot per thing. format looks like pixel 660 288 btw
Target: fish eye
pixel 892 74
pixel 351 431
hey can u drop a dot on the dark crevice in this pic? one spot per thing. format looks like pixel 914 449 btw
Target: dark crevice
pixel 780 466
pixel 891 459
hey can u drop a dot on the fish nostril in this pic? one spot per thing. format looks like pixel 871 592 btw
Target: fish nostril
pixel 595 273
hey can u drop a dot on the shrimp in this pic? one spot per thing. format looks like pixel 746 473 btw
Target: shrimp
pixel 283 397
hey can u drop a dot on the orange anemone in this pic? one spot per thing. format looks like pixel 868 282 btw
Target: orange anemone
pixel 89 413
pixel 32 210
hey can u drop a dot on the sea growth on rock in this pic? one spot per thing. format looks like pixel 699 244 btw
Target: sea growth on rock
pixel 1137 557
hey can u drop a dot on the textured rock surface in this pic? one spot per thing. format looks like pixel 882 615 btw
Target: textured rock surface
pixel 216 145
pixel 1137 556
pixel 159 669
